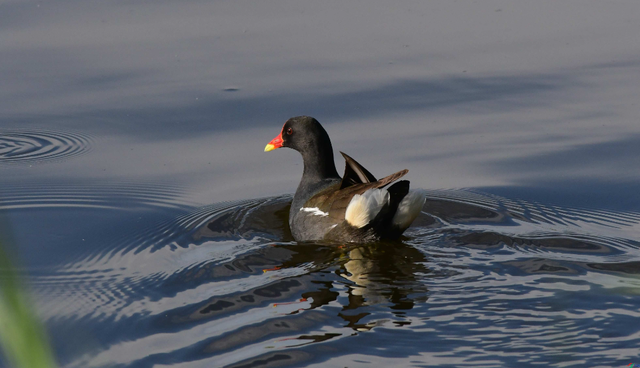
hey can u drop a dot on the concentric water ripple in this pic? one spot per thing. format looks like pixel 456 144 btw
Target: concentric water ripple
pixel 27 146
pixel 110 195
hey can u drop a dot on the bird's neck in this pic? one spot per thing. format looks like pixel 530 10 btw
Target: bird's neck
pixel 318 165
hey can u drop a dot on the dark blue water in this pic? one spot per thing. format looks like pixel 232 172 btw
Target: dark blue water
pixel 152 229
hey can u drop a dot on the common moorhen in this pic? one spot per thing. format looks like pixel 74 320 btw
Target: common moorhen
pixel 354 208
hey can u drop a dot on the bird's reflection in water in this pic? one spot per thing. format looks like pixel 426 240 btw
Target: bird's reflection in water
pixel 383 275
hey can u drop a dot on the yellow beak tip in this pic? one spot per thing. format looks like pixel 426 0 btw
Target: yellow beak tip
pixel 269 147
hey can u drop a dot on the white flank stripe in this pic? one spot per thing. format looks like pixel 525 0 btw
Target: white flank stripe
pixel 364 208
pixel 314 210
pixel 409 208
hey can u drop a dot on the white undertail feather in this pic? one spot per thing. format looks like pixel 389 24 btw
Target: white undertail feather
pixel 364 208
pixel 409 208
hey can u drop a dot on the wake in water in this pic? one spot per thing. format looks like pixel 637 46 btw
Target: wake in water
pixel 478 278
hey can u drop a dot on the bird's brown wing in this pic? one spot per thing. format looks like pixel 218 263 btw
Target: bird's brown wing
pixel 335 200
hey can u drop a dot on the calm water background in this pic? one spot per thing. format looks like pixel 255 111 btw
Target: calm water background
pixel 152 227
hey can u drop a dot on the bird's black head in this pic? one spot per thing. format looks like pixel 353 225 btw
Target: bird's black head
pixel 305 135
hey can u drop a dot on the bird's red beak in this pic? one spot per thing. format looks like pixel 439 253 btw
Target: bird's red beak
pixel 275 143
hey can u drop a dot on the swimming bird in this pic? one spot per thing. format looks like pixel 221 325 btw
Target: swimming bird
pixel 355 208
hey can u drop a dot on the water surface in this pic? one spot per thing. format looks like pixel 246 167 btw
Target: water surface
pixel 152 228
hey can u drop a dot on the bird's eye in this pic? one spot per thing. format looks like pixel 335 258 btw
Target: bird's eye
pixel 289 131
